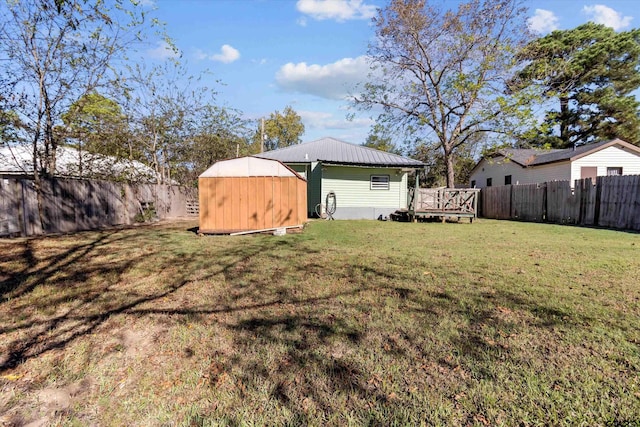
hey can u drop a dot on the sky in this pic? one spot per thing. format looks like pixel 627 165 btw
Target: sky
pixel 310 54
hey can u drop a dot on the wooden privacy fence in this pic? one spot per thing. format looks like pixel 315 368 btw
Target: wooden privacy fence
pixel 74 205
pixel 613 202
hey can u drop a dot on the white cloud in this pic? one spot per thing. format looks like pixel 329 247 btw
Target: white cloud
pixel 163 51
pixel 323 120
pixel 543 21
pixel 340 10
pixel 331 81
pixel 302 21
pixel 227 54
pixel 601 14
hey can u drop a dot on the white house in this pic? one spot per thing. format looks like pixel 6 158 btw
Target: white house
pixel 531 166
pixel 17 161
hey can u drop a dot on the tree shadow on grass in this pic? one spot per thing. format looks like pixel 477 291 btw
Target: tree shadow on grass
pixel 311 347
pixel 84 286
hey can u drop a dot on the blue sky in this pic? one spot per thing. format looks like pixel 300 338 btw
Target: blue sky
pixel 310 53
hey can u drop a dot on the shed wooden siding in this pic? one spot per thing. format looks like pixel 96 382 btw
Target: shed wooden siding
pixel 609 157
pixel 352 186
pixel 230 204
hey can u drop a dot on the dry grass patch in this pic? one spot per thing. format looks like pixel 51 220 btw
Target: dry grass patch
pixel 349 322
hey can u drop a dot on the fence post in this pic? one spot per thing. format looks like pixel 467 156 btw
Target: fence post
pixel 596 213
pixel 545 202
pixel 23 207
pixel 512 213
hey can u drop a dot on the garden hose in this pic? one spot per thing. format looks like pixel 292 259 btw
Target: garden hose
pixel 329 206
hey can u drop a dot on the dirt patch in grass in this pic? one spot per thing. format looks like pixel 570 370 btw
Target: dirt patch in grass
pixel 348 322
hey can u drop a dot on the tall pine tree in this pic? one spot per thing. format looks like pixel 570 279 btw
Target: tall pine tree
pixel 591 71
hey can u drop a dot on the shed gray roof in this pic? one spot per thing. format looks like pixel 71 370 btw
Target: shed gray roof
pixel 535 157
pixel 334 151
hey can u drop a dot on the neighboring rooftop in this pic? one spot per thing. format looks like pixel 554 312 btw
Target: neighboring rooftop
pixel 534 157
pixel 18 160
pixel 335 151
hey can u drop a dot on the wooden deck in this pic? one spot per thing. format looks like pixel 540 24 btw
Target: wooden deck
pixel 440 203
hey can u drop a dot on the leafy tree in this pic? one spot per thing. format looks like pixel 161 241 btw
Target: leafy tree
pixel 97 124
pixel 162 107
pixel 53 53
pixel 591 72
pixel 380 138
pixel 443 73
pixel 221 133
pixel 434 174
pixel 280 130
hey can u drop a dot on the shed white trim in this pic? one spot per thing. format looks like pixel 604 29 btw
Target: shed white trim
pixel 248 166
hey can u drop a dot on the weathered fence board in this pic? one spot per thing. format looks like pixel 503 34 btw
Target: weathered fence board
pixel 613 202
pixel 619 202
pixel 74 205
pixel 527 202
pixel 496 202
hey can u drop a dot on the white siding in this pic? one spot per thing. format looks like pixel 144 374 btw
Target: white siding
pixel 560 171
pixel 613 156
pixel 353 189
pixel 496 169
pixel 403 190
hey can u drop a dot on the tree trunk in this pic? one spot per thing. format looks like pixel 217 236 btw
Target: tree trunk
pixel 564 121
pixel 37 180
pixel 448 159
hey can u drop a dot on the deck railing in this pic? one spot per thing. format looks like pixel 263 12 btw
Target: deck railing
pixel 452 201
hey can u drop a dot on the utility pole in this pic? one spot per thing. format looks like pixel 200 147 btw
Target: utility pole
pixel 262 136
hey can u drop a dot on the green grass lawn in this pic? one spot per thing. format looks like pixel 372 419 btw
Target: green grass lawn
pixel 346 323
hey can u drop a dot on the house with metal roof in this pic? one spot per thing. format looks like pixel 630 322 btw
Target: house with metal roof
pixel 531 166
pixel 17 161
pixel 359 182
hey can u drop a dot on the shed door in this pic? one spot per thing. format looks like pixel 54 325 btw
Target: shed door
pixel 589 172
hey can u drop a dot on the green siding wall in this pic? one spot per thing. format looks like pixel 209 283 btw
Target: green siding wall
pixel 301 169
pixel 352 186
pixel 313 174
pixel 314 193
pixel 353 189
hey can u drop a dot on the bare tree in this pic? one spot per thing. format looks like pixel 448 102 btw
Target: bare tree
pixel 54 52
pixel 443 72
pixel 163 104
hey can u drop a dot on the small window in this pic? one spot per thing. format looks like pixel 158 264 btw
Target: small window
pixel 473 183
pixel 379 182
pixel 507 180
pixel 614 171
pixel 489 182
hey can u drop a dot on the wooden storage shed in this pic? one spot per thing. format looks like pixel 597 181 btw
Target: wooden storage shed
pixel 248 194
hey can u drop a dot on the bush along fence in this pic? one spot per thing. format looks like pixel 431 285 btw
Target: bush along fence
pixel 73 205
pixel 613 202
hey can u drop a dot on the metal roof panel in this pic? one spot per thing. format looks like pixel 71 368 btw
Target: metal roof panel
pixel 331 150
